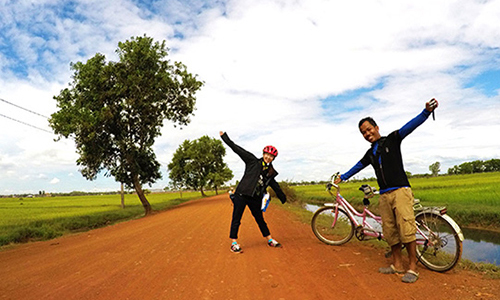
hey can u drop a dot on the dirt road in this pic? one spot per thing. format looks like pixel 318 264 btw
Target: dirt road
pixel 183 253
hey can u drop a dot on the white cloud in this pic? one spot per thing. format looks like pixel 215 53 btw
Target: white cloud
pixel 268 68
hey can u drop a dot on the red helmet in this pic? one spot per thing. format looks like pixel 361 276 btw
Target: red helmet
pixel 271 150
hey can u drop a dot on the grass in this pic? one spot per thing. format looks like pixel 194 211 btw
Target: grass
pixel 26 219
pixel 473 200
pixel 490 271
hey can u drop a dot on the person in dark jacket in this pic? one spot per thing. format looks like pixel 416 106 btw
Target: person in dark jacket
pixel 396 200
pixel 259 174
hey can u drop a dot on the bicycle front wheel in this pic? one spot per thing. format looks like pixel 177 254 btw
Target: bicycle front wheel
pixel 332 228
pixel 439 247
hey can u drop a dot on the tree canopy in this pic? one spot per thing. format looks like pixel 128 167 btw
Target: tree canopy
pixel 115 110
pixel 199 164
pixel 435 168
pixel 476 166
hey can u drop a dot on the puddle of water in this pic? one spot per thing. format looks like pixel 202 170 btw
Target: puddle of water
pixel 478 245
pixel 481 246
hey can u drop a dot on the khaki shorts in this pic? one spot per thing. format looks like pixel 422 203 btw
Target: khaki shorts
pixel 398 218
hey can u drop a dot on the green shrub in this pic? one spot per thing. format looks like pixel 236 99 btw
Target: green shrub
pixel 291 195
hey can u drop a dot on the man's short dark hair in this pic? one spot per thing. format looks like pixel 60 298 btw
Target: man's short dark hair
pixel 369 119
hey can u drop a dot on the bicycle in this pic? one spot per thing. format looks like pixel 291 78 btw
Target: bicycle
pixel 439 238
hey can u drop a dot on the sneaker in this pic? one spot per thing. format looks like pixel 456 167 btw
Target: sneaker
pixel 273 243
pixel 235 248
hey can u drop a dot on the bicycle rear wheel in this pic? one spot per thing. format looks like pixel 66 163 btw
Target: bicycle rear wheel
pixel 332 229
pixel 441 248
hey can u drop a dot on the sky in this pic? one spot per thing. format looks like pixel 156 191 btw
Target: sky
pixel 298 75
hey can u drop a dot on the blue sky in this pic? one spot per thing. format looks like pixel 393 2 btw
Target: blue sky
pixel 295 74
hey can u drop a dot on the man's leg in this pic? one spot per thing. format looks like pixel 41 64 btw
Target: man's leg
pixel 411 248
pixel 397 257
pixel 391 235
pixel 406 223
pixel 411 275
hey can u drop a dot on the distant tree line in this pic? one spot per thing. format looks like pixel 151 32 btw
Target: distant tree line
pixel 63 194
pixel 477 166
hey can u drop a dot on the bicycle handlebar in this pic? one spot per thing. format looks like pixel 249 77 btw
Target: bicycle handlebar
pixel 369 191
pixel 332 182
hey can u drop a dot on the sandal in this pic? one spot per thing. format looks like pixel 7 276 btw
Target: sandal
pixel 390 270
pixel 410 277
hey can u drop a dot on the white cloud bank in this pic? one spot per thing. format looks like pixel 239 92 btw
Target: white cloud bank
pixel 298 75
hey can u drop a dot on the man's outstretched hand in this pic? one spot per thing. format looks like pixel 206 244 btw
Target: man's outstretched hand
pixel 431 105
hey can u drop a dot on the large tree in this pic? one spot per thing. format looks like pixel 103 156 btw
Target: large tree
pixel 199 164
pixel 115 110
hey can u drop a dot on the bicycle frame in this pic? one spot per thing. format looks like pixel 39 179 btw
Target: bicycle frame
pixel 352 213
pixel 368 230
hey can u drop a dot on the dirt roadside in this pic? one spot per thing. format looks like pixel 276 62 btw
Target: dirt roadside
pixel 183 253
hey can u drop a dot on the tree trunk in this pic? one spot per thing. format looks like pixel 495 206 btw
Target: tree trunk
pixel 142 197
pixel 123 196
pixel 202 192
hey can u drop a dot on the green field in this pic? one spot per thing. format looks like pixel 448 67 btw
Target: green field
pixel 472 200
pixel 42 218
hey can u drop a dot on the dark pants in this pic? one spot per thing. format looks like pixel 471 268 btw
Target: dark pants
pixel 239 204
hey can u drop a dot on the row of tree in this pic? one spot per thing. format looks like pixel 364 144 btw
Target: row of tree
pixel 477 166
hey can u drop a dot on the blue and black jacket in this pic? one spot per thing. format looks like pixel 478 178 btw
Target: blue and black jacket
pixel 385 157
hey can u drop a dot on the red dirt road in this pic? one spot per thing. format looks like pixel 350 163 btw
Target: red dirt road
pixel 183 253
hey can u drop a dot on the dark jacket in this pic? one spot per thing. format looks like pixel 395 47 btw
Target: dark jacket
pixel 253 168
pixel 387 162
pixel 386 159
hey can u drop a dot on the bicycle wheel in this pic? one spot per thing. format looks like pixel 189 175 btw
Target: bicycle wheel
pixel 441 248
pixel 331 229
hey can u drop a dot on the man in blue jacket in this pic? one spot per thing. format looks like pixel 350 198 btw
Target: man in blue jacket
pixel 259 174
pixel 396 200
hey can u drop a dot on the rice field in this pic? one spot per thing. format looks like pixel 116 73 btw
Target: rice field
pixel 42 218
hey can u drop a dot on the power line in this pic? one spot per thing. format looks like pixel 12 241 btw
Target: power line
pixel 2 115
pixel 28 110
pixel 33 112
